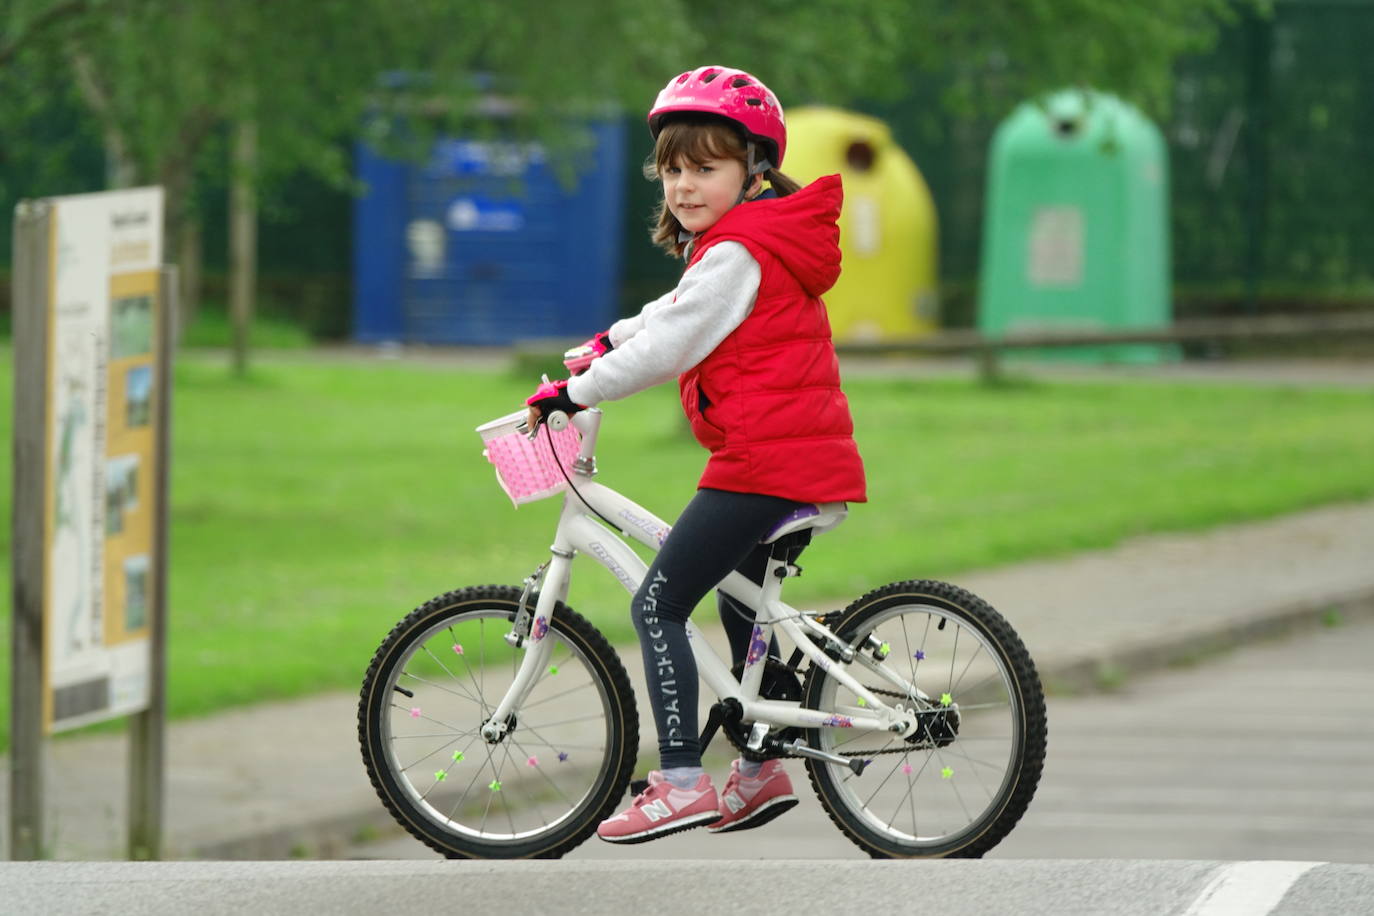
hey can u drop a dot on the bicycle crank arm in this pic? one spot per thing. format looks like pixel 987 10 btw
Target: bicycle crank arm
pixel 801 749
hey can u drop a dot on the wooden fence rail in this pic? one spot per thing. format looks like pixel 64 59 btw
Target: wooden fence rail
pixel 989 349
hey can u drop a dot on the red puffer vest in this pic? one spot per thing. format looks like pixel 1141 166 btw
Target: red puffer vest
pixel 767 401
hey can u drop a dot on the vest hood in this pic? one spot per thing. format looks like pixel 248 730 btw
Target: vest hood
pixel 801 230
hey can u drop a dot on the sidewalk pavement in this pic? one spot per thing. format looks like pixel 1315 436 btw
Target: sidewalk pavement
pixel 286 779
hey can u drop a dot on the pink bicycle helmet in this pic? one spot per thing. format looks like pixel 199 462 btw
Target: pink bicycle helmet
pixel 732 94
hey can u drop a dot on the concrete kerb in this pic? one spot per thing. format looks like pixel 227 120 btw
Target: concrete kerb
pixel 1105 672
pixel 324 838
pixel 336 836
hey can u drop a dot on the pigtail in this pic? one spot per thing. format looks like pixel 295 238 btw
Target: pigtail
pixel 666 232
pixel 780 183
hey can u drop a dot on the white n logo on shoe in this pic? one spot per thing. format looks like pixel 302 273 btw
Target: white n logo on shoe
pixel 656 810
pixel 734 802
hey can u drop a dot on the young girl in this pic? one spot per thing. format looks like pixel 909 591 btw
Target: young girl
pixel 746 335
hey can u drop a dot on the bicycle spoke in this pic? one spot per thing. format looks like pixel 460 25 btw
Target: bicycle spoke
pixel 445 668
pixel 972 658
pixel 868 801
pixel 836 747
pixel 505 799
pixel 414 763
pixel 571 721
pixel 973 707
pixel 471 782
pixel 999 766
pixel 546 777
pixel 910 656
pixel 428 718
pixel 907 797
pixel 482 652
pixel 954 786
pixel 890 773
pixel 466 747
pixel 954 654
pixel 549 744
pixel 911 801
pixel 480 699
pixel 437 686
pixel 558 696
pixel 564 747
pixel 491 793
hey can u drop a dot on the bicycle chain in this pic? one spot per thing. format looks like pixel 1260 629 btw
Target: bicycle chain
pixel 893 750
pixel 827 620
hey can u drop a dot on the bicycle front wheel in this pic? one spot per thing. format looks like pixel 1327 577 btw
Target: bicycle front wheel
pixel 958 785
pixel 559 770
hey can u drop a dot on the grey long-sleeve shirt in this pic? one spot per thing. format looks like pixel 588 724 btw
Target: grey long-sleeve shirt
pixel 677 330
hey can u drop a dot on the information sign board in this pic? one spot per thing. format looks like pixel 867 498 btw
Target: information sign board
pixel 102 421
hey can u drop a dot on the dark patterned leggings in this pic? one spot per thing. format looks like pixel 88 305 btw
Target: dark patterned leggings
pixel 718 532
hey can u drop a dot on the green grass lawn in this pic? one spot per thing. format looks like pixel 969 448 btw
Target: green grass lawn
pixel 315 503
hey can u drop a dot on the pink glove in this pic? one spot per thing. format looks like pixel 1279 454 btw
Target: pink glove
pixel 579 358
pixel 551 396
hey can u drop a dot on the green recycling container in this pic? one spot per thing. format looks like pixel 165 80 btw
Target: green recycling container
pixel 1076 224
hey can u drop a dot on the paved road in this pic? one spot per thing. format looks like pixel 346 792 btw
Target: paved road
pixel 1262 753
pixel 952 888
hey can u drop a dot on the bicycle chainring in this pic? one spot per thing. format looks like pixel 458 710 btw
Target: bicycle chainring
pixel 779 683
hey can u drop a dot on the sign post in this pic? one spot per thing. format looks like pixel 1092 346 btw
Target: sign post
pixel 147 729
pixel 32 279
pixel 92 360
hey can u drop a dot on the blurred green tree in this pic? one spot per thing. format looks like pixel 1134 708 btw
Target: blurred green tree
pixel 159 76
pixel 172 87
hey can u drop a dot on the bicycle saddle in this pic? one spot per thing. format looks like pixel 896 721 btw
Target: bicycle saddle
pixel 819 517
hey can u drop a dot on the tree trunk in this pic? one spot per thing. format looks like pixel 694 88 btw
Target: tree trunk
pixel 243 237
pixel 175 219
pixel 190 256
pixel 120 170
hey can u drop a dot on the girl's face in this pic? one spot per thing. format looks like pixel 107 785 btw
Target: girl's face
pixel 699 193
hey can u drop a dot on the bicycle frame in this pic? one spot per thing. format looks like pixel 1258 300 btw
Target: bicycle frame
pixel 579 530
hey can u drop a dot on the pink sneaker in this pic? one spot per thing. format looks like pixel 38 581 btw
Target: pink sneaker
pixel 749 802
pixel 662 809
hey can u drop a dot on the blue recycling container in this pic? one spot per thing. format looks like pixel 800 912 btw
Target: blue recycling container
pixel 481 244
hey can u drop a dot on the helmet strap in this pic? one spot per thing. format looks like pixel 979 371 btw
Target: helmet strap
pixel 752 168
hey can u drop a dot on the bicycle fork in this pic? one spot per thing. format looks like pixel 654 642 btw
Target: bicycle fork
pixel 530 627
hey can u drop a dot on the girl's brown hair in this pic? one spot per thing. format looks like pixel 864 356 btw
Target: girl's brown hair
pixel 698 138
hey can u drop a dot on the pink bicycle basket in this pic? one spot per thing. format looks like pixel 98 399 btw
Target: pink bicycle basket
pixel 526 469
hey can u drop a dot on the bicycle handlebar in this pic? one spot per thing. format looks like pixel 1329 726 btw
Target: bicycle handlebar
pixel 557 421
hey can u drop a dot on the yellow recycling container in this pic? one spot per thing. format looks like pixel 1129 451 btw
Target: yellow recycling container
pixel 887 228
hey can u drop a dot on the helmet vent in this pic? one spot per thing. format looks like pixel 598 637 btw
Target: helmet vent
pixel 753 101
pixel 683 77
pixel 740 81
pixel 709 75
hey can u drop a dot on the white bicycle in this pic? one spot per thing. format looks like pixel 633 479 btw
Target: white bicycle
pixel 496 722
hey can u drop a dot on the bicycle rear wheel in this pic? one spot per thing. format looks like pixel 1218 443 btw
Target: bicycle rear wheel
pixel 539 791
pixel 959 785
